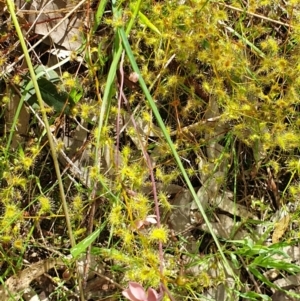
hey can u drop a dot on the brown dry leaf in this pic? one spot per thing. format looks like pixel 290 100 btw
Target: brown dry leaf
pixel 48 15
pixel 280 228
pixel 14 285
pixel 21 129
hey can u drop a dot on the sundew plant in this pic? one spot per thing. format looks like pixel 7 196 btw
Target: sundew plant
pixel 124 151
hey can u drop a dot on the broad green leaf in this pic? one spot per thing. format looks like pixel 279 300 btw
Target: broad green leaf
pixel 60 101
pixel 47 78
pixel 52 75
pixel 84 244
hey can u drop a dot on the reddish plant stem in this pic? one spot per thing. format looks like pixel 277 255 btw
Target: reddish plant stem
pixel 149 164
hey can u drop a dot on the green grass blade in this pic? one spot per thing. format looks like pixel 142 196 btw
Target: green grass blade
pixel 99 14
pixel 111 75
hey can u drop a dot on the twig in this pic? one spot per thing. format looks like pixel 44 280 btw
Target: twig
pixel 255 15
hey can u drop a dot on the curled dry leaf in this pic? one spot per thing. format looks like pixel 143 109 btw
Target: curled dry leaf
pixel 150 219
pixel 16 284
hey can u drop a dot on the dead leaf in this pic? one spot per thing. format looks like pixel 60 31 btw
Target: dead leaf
pixel 48 15
pixel 14 285
pixel 21 129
